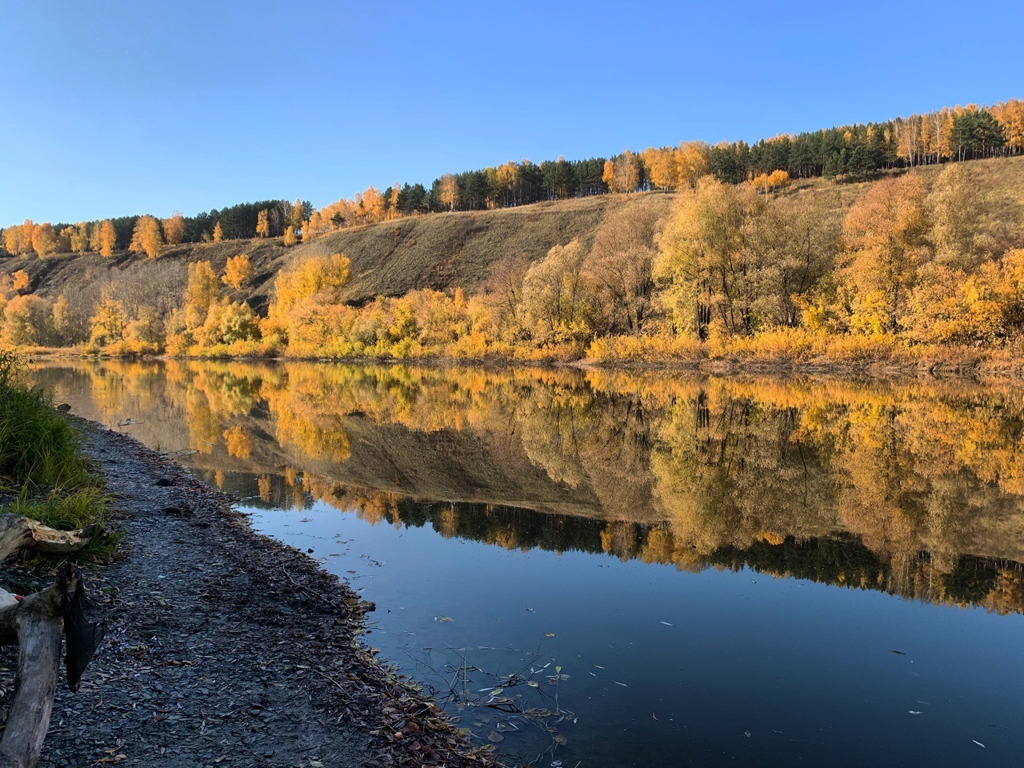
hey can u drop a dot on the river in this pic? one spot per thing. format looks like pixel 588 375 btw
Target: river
pixel 636 569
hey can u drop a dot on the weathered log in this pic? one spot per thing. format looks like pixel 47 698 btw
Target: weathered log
pixel 36 621
pixel 17 531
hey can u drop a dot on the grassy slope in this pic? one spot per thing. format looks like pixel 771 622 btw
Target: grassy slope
pixel 443 251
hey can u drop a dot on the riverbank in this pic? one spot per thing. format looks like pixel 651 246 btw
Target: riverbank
pixel 225 648
pixel 934 362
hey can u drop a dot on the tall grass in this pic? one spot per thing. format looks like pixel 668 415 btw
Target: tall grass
pixel 41 459
pixel 37 446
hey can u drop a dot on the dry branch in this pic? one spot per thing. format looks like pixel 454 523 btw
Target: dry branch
pixel 17 531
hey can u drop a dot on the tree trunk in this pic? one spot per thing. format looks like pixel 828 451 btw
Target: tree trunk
pixel 36 622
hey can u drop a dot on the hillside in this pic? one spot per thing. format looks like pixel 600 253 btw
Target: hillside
pixel 440 251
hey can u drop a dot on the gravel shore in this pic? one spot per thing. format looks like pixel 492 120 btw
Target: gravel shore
pixel 224 648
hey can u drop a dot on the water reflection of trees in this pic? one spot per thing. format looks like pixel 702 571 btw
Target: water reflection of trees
pixel 911 488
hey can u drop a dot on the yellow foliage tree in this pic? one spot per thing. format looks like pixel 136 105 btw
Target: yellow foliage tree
pixel 20 281
pixel 174 229
pixel 147 238
pixel 44 239
pixel 623 173
pixel 26 321
pixel 556 295
pixel 316 281
pixel 449 191
pixel 107 239
pixel 885 237
pixel 78 237
pixel 108 322
pixel 237 271
pixel 218 233
pixel 201 292
pixel 263 223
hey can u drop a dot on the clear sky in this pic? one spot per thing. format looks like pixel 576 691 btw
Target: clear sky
pixel 117 107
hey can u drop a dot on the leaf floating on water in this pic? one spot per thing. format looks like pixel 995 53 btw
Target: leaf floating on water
pixel 443 619
pixel 979 744
pixel 560 739
pixel 496 692
pixel 549 634
pixel 622 684
pixel 898 653
pixel 913 711
pixel 558 669
pixel 533 683
pixel 667 624
pixel 598 666
pixel 495 737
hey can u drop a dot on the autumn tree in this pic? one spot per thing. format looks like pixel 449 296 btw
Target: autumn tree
pixel 218 233
pixel 26 321
pixel 691 159
pixel 555 295
pixel 237 271
pixel 622 174
pixel 621 262
pixel 956 208
pixel 263 223
pixel 18 238
pixel 449 191
pixel 78 237
pixel 771 182
pixel 70 323
pixel 290 237
pixel 313 283
pixel 174 228
pixel 201 292
pixel 146 238
pixel 885 244
pixel 44 239
pixel 298 215
pixel 20 281
pixel 662 169
pixel 703 258
pixel 106 238
pixel 108 321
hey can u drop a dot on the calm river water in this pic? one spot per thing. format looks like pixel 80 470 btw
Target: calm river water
pixel 618 569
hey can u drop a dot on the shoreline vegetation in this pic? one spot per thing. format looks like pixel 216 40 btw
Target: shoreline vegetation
pixel 917 262
pixel 807 355
pixel 43 473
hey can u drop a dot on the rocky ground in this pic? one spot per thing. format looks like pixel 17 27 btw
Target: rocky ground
pixel 224 648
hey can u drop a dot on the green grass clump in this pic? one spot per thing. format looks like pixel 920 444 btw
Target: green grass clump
pixel 37 446
pixel 41 460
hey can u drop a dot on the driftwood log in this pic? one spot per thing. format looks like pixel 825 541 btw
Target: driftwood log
pixel 36 623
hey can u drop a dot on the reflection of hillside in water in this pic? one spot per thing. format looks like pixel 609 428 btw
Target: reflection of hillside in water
pixel 911 488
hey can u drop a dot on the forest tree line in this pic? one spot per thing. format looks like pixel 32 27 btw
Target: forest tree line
pixel 844 153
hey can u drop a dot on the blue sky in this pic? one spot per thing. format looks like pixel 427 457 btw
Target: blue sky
pixel 113 108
